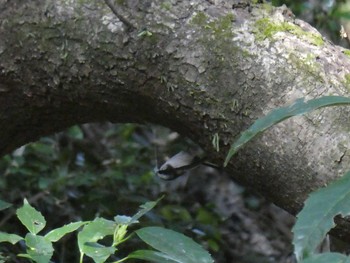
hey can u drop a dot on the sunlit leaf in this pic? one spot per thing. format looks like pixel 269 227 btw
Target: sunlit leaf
pixel 175 245
pixel 280 114
pixel 56 234
pixel 98 252
pixel 145 208
pixel 317 216
pixel 31 218
pixel 93 232
pixel 39 248
pixel 11 238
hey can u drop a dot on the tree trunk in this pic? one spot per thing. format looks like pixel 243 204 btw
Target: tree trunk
pixel 201 68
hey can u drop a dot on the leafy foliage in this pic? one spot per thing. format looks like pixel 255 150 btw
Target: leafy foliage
pixel 323 14
pixel 81 183
pixel 282 113
pixel 316 219
pixel 11 238
pixel 40 248
pixel 84 176
pixel 173 245
pixel 317 216
pixel 31 218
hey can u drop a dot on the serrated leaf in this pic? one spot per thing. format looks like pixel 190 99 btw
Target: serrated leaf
pixel 96 230
pixel 31 218
pixel 327 258
pixel 93 232
pixel 174 245
pixel 58 233
pixel 146 207
pixel 4 205
pixel 11 238
pixel 317 217
pixel 38 248
pixel 98 252
pixel 152 256
pixel 127 220
pixel 283 113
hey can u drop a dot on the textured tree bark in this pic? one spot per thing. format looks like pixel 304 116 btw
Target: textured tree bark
pixel 202 68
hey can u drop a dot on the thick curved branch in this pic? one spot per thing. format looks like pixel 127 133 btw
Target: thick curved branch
pixel 201 69
pixel 120 16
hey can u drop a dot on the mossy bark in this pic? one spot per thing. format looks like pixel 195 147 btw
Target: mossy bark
pixel 203 69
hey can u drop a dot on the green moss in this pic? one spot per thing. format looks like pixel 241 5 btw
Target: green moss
pixel 226 21
pixel 266 28
pixel 222 27
pixel 245 53
pixel 346 82
pixel 166 5
pixel 307 64
pixel 310 58
pixel 268 7
pixel 217 34
pixel 347 52
pixel 347 79
pixel 199 19
pixel 216 38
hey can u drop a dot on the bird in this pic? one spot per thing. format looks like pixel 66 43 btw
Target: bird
pixel 180 163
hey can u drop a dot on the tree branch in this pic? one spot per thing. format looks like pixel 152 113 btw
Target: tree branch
pixel 120 16
pixel 207 70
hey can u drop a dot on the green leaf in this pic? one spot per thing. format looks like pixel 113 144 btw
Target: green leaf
pixel 96 230
pixel 11 238
pixel 123 220
pixel 174 245
pixel 4 205
pixel 127 220
pixel 145 208
pixel 152 256
pixel 58 233
pixel 98 252
pixel 327 258
pixel 93 232
pixel 39 248
pixel 316 218
pixel 119 234
pixel 280 114
pixel 31 218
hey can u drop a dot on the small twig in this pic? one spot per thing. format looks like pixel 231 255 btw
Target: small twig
pixel 119 15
